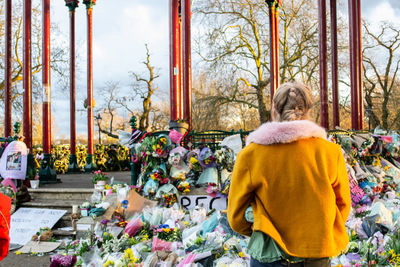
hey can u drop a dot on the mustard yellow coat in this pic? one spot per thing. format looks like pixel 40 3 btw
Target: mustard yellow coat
pixel 299 191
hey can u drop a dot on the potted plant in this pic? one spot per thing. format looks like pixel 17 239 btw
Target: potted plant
pixel 99 179
pixel 179 125
pixel 85 207
pixel 35 182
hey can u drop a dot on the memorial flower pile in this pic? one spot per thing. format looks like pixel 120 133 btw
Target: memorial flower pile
pixel 158 236
pixel 374 221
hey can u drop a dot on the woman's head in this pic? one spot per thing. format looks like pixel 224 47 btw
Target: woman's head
pixel 292 101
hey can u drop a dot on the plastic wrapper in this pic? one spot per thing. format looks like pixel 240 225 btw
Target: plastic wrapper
pixel 206 158
pixel 188 261
pixel 162 245
pixel 92 258
pixel 122 193
pixel 104 205
pixel 189 235
pixel 133 226
pixel 157 217
pixel 166 189
pixel 385 215
pixel 234 142
pixel 179 171
pixel 150 188
pixel 96 197
pixel 208 176
pixel 96 212
pixel 209 225
pixel 198 215
pixel 175 136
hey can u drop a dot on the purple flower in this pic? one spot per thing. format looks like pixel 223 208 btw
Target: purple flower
pixel 104 222
pixel 63 261
pixel 353 257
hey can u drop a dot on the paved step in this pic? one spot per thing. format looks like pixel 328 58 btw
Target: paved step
pixel 82 194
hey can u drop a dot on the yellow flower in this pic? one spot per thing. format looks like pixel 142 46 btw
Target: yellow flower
pixel 241 254
pixel 105 233
pixel 186 191
pixel 185 222
pixel 18 252
pixel 167 230
pixel 109 263
pixel 193 160
pixel 107 186
pixel 33 252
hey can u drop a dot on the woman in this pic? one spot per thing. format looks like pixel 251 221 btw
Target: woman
pixel 296 183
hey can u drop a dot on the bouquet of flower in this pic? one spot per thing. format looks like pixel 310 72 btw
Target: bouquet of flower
pixel 224 158
pixel 169 199
pixel 63 261
pixel 194 164
pixel 161 146
pixel 160 176
pixel 166 233
pixel 184 186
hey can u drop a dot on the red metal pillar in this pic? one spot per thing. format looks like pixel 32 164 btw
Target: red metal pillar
pixel 360 68
pixel 179 95
pixel 323 67
pixel 90 160
pixel 174 51
pixel 27 75
pixel 46 78
pixel 187 71
pixel 274 45
pixel 73 162
pixel 8 69
pixel 47 172
pixel 334 64
pixel 27 85
pixel 353 65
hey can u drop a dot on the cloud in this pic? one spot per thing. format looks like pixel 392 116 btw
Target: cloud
pixel 382 12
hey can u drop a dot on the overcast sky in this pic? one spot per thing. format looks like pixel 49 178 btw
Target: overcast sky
pixel 120 30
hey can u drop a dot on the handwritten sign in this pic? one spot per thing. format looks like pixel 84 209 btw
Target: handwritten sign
pixel 14 161
pixel 208 202
pixel 25 222
pixel 39 247
pixel 356 192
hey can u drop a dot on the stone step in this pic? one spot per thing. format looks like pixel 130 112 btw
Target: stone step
pixel 82 194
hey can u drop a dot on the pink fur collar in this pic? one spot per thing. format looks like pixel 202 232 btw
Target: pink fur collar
pixel 285 132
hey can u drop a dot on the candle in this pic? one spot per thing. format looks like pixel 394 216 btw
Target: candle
pixel 74 209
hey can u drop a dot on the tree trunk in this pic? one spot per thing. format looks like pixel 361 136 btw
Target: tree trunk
pixel 262 109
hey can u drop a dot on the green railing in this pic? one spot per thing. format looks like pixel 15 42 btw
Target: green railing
pixel 211 138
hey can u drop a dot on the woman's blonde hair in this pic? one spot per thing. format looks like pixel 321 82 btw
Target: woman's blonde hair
pixel 292 101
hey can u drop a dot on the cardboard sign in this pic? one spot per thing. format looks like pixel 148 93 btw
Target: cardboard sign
pixel 14 160
pixel 208 202
pixel 136 203
pixel 356 192
pixel 39 247
pixel 25 222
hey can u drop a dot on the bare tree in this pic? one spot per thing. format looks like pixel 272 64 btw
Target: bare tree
pixel 143 87
pixel 59 59
pixel 234 42
pixel 381 82
pixel 106 116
